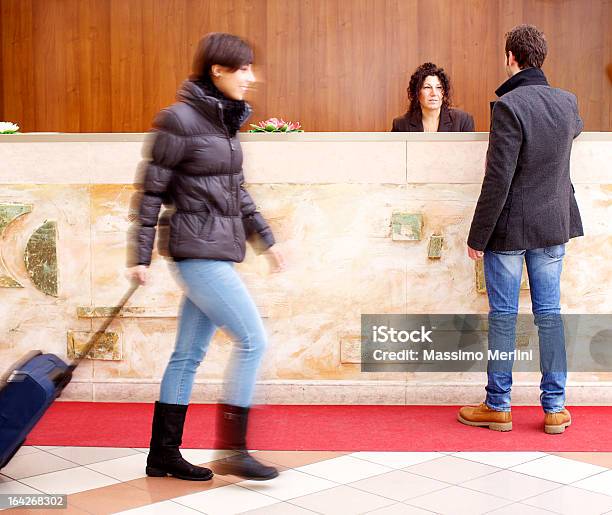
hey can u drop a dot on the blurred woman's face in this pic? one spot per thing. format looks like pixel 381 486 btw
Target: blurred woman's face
pixel 233 84
pixel 431 93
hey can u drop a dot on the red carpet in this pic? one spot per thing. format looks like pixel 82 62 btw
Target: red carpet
pixel 339 428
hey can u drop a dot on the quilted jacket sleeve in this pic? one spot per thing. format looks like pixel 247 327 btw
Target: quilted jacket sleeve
pixel 254 223
pixel 167 152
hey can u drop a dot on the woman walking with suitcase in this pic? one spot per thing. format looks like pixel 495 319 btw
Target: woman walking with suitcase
pixel 197 165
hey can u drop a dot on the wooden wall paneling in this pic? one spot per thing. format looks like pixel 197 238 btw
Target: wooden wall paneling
pixel 476 57
pixel 18 63
pixel 56 65
pixel 287 61
pixel 127 72
pixel 94 57
pixel 399 55
pixel 166 61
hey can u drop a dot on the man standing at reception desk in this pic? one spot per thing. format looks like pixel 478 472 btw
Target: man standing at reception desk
pixel 526 210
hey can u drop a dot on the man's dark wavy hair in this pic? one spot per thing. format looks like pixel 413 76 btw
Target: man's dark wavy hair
pixel 416 83
pixel 528 46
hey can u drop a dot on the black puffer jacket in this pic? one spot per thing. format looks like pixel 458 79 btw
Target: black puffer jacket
pixel 197 165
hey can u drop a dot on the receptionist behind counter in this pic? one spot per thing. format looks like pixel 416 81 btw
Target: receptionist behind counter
pixel 429 110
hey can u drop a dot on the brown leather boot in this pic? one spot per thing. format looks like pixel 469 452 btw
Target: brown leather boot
pixel 555 423
pixel 483 416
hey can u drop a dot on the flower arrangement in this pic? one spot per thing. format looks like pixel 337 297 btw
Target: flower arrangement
pixel 8 128
pixel 276 125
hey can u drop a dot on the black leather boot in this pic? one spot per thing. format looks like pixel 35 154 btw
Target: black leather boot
pixel 166 436
pixel 232 422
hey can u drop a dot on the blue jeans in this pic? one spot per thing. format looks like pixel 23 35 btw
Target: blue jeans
pixel 215 296
pixel 503 271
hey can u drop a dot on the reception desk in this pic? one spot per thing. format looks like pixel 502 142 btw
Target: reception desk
pixel 354 213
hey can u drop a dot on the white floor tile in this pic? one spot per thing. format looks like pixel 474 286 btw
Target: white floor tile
pixel 601 483
pixel 123 469
pixel 342 500
pixel 500 459
pixel 458 501
pixel 344 469
pixel 399 485
pixel 519 509
pixel 26 449
pixel 88 455
pixel 289 484
pixel 15 487
pixel 452 470
pixel 34 464
pixel 570 501
pixel 281 508
pixel 46 447
pixel 161 508
pixel 397 460
pixel 226 499
pixel 510 485
pixel 400 509
pixel 199 456
pixel 560 470
pixel 69 481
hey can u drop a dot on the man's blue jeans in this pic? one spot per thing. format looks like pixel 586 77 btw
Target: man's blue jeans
pixel 503 271
pixel 215 296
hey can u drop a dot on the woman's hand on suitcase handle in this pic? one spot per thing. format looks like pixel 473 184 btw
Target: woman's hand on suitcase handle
pixel 138 274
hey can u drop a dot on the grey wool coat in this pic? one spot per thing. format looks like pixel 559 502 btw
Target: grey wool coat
pixel 527 199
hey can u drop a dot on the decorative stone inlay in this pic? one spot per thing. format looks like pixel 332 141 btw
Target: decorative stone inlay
pixel 406 226
pixel 434 251
pixel 41 258
pixel 107 346
pixel 481 286
pixel 350 350
pixel 126 312
pixel 8 214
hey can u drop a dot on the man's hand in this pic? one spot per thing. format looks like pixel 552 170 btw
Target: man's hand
pixel 276 259
pixel 475 254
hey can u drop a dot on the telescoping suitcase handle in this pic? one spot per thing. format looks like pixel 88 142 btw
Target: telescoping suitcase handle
pixel 100 332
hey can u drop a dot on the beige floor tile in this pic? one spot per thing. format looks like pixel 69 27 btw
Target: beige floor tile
pixel 110 499
pixel 89 455
pixel 15 487
pixel 458 501
pixel 235 479
pixel 199 456
pixel 603 459
pixel 452 470
pixel 289 484
pixel 570 501
pixel 69 481
pixel 164 488
pixel 227 499
pixel 344 469
pixel 342 499
pixel 399 485
pixel 26 449
pixel 70 510
pixel 294 459
pixel 34 464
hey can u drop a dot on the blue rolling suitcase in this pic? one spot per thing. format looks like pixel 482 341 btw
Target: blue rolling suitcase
pixel 31 385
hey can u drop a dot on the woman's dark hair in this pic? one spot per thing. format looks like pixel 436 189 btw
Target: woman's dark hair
pixel 416 83
pixel 528 46
pixel 220 48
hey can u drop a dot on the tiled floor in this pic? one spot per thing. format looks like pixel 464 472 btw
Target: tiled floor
pixel 105 480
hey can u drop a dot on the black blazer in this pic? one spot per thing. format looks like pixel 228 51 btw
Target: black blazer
pixel 451 120
pixel 527 199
